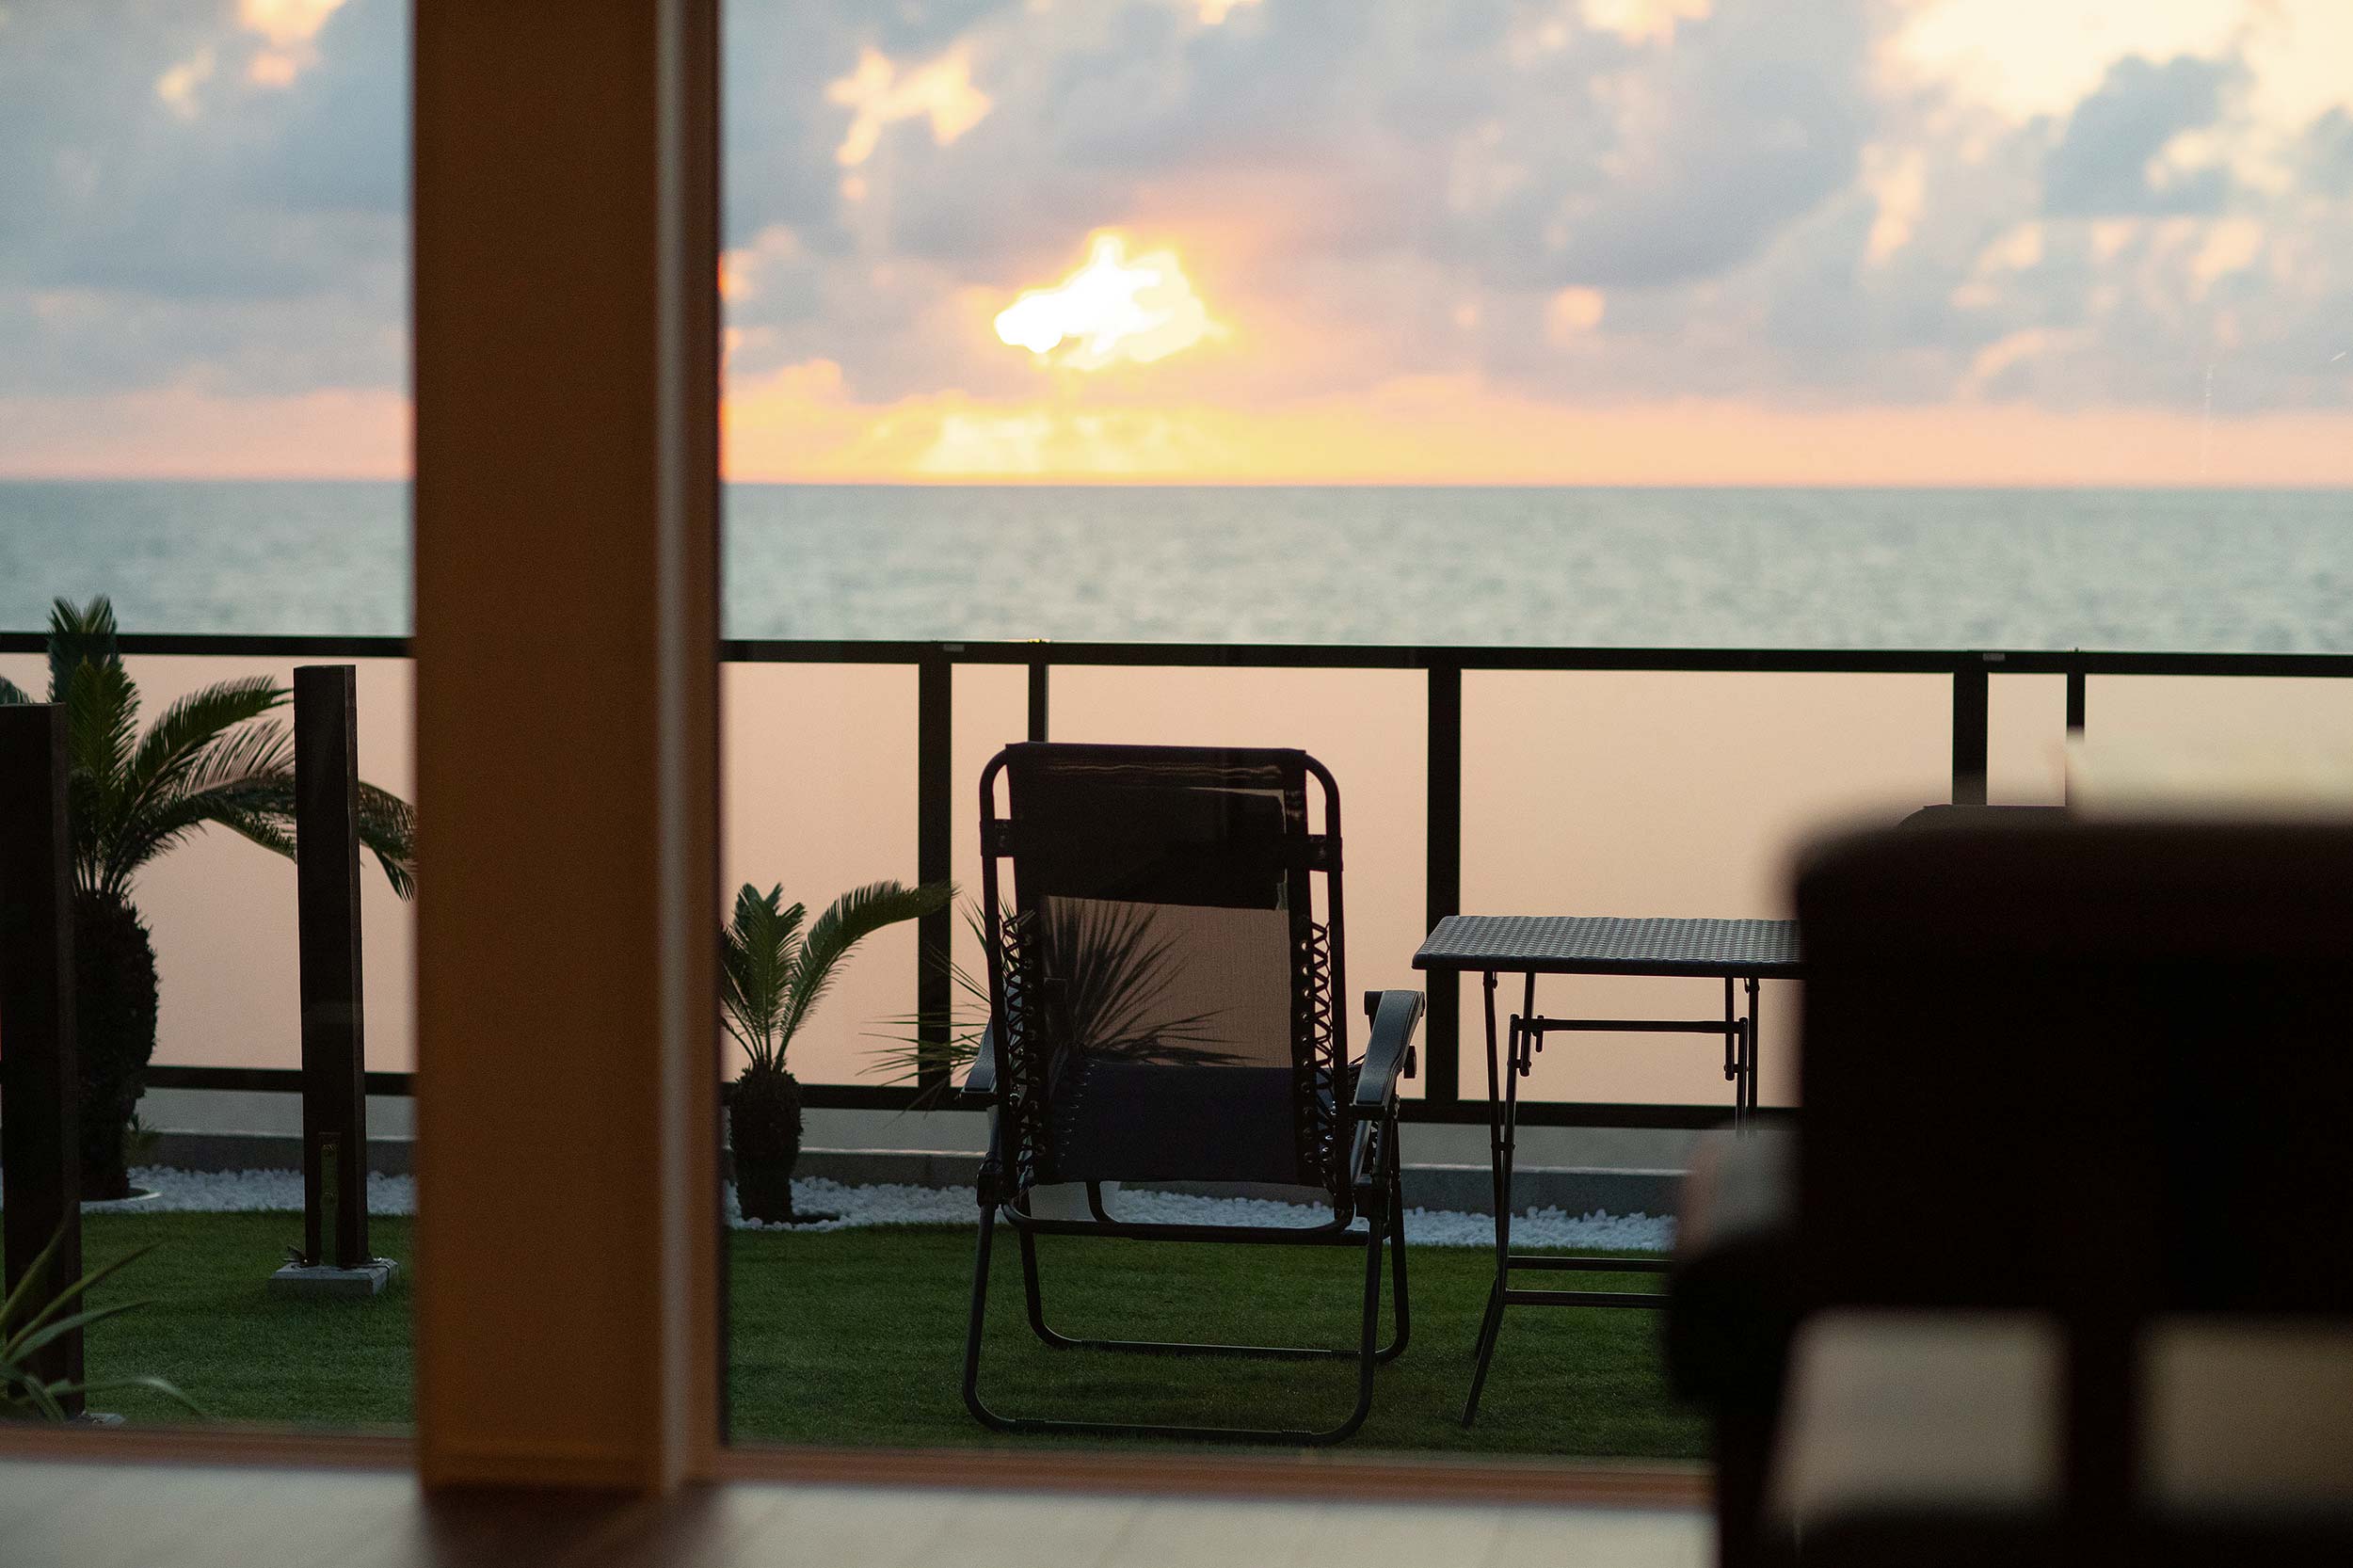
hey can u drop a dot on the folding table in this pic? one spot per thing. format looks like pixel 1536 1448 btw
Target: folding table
pixel 1739 952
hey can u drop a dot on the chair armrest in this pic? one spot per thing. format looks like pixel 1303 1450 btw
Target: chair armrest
pixel 1388 1056
pixel 979 1083
pixel 1389 1053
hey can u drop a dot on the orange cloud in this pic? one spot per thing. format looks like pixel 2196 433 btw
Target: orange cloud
pixel 187 433
pixel 288 27
pixel 880 95
pixel 1109 311
pixel 801 423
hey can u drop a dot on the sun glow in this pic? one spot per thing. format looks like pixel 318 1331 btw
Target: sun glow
pixel 1110 309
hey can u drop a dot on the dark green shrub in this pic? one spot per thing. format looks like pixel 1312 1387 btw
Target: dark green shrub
pixel 114 1012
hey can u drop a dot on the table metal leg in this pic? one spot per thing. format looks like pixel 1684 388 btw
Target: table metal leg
pixel 1500 1159
pixel 1732 1048
pixel 1748 1055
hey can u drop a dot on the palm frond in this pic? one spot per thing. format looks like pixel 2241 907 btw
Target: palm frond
pixel 261 811
pixel 906 1052
pixel 80 635
pixel 756 949
pixel 848 920
pixel 244 781
pixel 102 710
pixel 13 694
pixel 101 722
pixel 198 729
pixel 388 830
pixel 258 752
pixel 1118 971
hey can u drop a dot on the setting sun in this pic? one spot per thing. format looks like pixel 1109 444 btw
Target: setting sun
pixel 1110 309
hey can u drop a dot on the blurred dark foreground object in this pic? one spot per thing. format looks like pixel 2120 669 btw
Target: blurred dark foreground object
pixel 2060 1267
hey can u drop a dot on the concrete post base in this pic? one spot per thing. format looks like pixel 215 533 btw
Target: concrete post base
pixel 322 1280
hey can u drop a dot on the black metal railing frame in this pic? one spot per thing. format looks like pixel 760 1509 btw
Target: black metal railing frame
pixel 939 794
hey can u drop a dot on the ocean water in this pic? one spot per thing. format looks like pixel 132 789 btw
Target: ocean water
pixel 2223 570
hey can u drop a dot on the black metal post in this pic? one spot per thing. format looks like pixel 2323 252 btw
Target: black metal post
pixel 934 860
pixel 1442 881
pixel 1969 722
pixel 334 1044
pixel 42 1175
pixel 2074 715
pixel 1037 701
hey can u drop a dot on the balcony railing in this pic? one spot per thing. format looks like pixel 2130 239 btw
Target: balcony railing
pixel 1970 676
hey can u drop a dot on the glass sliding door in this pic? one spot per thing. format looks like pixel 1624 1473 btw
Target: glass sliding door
pixel 1622 440
pixel 204 552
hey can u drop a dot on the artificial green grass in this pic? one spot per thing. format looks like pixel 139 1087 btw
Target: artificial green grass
pixel 857 1337
pixel 213 1328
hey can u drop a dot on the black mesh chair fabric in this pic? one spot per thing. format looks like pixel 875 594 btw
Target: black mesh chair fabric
pixel 1164 989
pixel 1162 1009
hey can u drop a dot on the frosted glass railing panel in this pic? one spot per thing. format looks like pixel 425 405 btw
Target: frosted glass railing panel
pixel 221 911
pixel 2026 740
pixel 818 794
pixel 992 710
pixel 2219 718
pixel 1681 795
pixel 1368 727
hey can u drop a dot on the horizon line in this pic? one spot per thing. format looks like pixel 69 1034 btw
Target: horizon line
pixel 1118 482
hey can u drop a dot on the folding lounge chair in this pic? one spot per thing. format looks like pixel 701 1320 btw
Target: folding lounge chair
pixel 1162 1009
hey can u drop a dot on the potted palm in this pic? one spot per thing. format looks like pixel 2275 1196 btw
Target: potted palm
pixel 214 758
pixel 770 976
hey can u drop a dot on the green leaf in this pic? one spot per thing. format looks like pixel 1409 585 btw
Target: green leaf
pixel 756 953
pixel 848 920
pixel 36 1394
pixel 13 694
pixel 242 779
pixel 388 830
pixel 32 1343
pixel 11 1350
pixel 79 634
pixel 29 1283
pixel 203 727
pixel 160 1385
pixel 20 1387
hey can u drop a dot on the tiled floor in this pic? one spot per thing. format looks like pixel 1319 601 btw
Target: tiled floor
pixel 91 1516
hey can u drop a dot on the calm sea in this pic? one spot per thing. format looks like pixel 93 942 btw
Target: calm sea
pixel 2147 570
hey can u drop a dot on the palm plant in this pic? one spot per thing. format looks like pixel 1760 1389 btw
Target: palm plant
pixel 214 758
pixel 1115 976
pixel 771 978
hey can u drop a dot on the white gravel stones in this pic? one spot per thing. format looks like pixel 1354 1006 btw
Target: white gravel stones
pixel 249 1191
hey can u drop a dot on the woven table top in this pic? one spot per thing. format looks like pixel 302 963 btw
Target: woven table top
pixel 1601 944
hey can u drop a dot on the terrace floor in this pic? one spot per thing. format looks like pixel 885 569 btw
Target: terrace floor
pixel 99 1514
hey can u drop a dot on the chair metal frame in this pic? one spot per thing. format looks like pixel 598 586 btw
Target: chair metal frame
pixel 1370 1185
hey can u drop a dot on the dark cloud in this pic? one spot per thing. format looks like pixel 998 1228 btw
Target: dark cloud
pixel 1754 117
pixel 2101 164
pixel 257 244
pixel 1390 186
pixel 2326 154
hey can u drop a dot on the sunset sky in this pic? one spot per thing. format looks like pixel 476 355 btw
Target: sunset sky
pixel 1575 241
